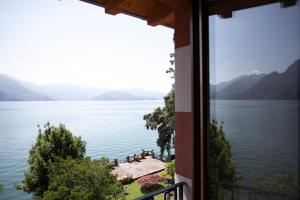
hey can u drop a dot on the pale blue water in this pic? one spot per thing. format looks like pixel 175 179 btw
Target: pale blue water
pixel 111 129
pixel 264 134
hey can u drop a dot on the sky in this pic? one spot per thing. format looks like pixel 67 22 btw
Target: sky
pixel 69 41
pixel 73 42
pixel 258 40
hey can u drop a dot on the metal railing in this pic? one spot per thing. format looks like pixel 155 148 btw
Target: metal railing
pixel 237 191
pixel 176 190
pixel 140 156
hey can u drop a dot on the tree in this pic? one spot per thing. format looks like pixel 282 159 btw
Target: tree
pixel 163 119
pixel 220 164
pixel 51 143
pixel 82 180
pixel 1 187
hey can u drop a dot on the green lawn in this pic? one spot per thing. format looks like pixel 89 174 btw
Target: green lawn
pixel 133 191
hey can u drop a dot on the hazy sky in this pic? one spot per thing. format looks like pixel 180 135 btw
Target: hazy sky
pixel 69 41
pixel 263 39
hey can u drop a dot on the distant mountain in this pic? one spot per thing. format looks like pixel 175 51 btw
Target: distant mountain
pixel 64 92
pixel 68 92
pixel 230 89
pixel 148 94
pixel 6 97
pixel 214 89
pixel 12 90
pixel 121 95
pixel 275 85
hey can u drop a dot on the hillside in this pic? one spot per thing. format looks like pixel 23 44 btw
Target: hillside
pixel 275 85
pixel 232 88
pixel 64 92
pixel 11 90
pixel 121 95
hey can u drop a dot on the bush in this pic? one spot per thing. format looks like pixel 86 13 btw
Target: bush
pixel 150 187
pixel 150 183
pixel 82 180
pixel 169 172
pixel 1 187
pixel 127 180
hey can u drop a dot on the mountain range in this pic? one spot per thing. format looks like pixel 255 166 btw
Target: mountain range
pixel 122 95
pixel 285 85
pixel 12 89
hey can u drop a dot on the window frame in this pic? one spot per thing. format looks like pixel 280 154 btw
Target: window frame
pixel 200 54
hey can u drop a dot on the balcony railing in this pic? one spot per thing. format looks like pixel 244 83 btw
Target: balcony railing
pixel 237 191
pixel 176 190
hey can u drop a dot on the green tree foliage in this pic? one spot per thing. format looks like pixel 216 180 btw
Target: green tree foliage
pixel 51 142
pixel 82 180
pixel 163 119
pixel 171 70
pixel 220 164
pixel 283 183
pixel 169 172
pixel 1 187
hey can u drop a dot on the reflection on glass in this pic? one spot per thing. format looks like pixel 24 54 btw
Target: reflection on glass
pixel 254 104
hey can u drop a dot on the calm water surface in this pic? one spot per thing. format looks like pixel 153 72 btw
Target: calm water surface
pixel 264 134
pixel 112 129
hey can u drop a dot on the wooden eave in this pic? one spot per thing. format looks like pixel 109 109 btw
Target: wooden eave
pixel 224 8
pixel 153 11
pixel 161 12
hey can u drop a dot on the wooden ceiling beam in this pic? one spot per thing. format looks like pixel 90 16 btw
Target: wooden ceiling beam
pixel 174 3
pixel 161 12
pixel 112 7
pixel 288 3
pixel 224 8
pixel 225 14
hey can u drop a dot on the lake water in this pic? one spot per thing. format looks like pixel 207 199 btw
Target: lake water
pixel 263 134
pixel 113 129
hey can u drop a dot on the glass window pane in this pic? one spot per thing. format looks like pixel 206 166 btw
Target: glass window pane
pixel 254 103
